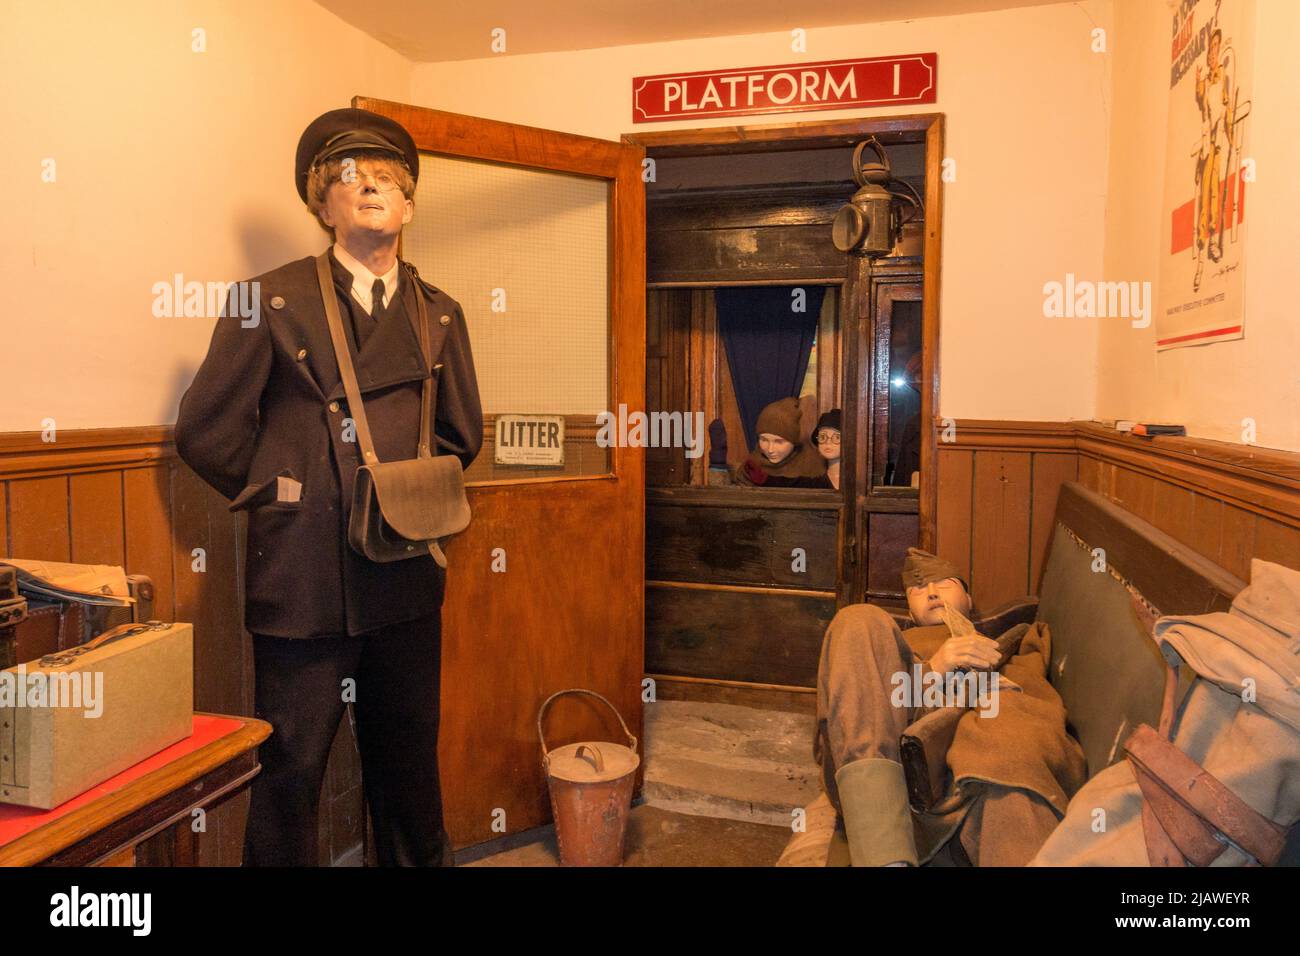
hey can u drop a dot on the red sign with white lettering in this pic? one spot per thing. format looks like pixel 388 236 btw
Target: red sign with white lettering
pixel 829 85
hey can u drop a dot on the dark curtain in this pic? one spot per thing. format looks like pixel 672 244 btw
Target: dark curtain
pixel 768 344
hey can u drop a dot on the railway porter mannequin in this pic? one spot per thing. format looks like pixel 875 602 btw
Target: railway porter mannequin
pixel 265 422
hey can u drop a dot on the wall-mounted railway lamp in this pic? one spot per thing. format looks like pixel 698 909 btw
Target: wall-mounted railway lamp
pixel 871 223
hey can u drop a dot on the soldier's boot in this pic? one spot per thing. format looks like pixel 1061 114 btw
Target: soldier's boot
pixel 877 819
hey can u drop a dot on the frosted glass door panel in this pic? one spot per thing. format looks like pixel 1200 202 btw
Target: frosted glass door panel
pixel 526 254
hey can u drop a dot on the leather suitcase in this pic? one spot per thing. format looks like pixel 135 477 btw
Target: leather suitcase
pixel 51 625
pixel 13 611
pixel 107 705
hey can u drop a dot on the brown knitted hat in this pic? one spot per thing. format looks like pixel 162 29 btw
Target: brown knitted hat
pixel 781 418
pixel 922 567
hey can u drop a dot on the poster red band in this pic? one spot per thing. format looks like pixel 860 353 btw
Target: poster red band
pixel 828 85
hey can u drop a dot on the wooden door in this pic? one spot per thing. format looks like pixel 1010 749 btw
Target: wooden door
pixel 886 301
pixel 890 508
pixel 545 587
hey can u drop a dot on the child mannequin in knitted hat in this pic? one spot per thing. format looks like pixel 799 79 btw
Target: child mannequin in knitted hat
pixel 782 456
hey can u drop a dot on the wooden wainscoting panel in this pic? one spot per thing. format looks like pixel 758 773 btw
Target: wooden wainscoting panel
pixel 956 485
pixel 96 517
pixel 209 598
pixel 39 509
pixel 1135 492
pixel 1277 542
pixel 1262 480
pixel 1227 502
pixel 1206 533
pixel 120 496
pixel 1237 542
pixel 146 506
pixel 1050 471
pixel 1000 527
pixel 1097 476
pixel 1090 474
pixel 1174 507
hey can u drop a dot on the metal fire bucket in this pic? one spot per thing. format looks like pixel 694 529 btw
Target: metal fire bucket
pixel 591 792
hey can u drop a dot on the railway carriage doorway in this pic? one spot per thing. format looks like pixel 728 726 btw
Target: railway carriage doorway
pixel 742 581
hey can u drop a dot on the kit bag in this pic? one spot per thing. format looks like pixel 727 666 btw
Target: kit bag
pixel 399 508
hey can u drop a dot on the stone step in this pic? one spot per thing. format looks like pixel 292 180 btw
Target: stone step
pixel 728 761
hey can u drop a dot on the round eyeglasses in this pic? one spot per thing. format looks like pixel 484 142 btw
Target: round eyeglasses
pixel 353 178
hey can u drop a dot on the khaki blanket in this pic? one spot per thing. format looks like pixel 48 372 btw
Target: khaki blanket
pixel 1014 773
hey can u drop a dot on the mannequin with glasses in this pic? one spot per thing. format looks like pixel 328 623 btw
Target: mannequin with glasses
pixel 826 440
pixel 826 436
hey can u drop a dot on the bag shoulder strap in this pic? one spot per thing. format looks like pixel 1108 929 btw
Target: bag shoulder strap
pixel 1195 803
pixel 347 372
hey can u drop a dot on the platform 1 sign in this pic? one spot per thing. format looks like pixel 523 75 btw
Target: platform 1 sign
pixel 533 440
pixel 827 85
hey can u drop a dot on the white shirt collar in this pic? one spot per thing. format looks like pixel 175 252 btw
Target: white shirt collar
pixel 363 279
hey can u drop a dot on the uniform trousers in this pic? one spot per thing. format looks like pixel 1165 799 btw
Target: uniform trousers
pixel 391 675
pixel 862 652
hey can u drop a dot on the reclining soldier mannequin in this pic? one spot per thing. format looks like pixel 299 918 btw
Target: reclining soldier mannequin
pixel 1013 774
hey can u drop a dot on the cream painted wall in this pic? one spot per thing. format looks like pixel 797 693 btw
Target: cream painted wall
pixel 167 161
pixel 1028 113
pixel 171 161
pixel 1211 388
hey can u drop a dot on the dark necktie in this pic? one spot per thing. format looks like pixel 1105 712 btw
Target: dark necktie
pixel 363 325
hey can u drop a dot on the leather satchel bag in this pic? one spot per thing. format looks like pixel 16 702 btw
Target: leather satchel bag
pixel 399 508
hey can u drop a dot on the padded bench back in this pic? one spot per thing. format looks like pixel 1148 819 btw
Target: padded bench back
pixel 1107 670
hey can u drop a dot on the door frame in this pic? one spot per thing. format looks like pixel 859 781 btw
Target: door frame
pixel 713 140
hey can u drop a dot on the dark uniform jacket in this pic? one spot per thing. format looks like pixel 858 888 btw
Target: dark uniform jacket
pixel 268 401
